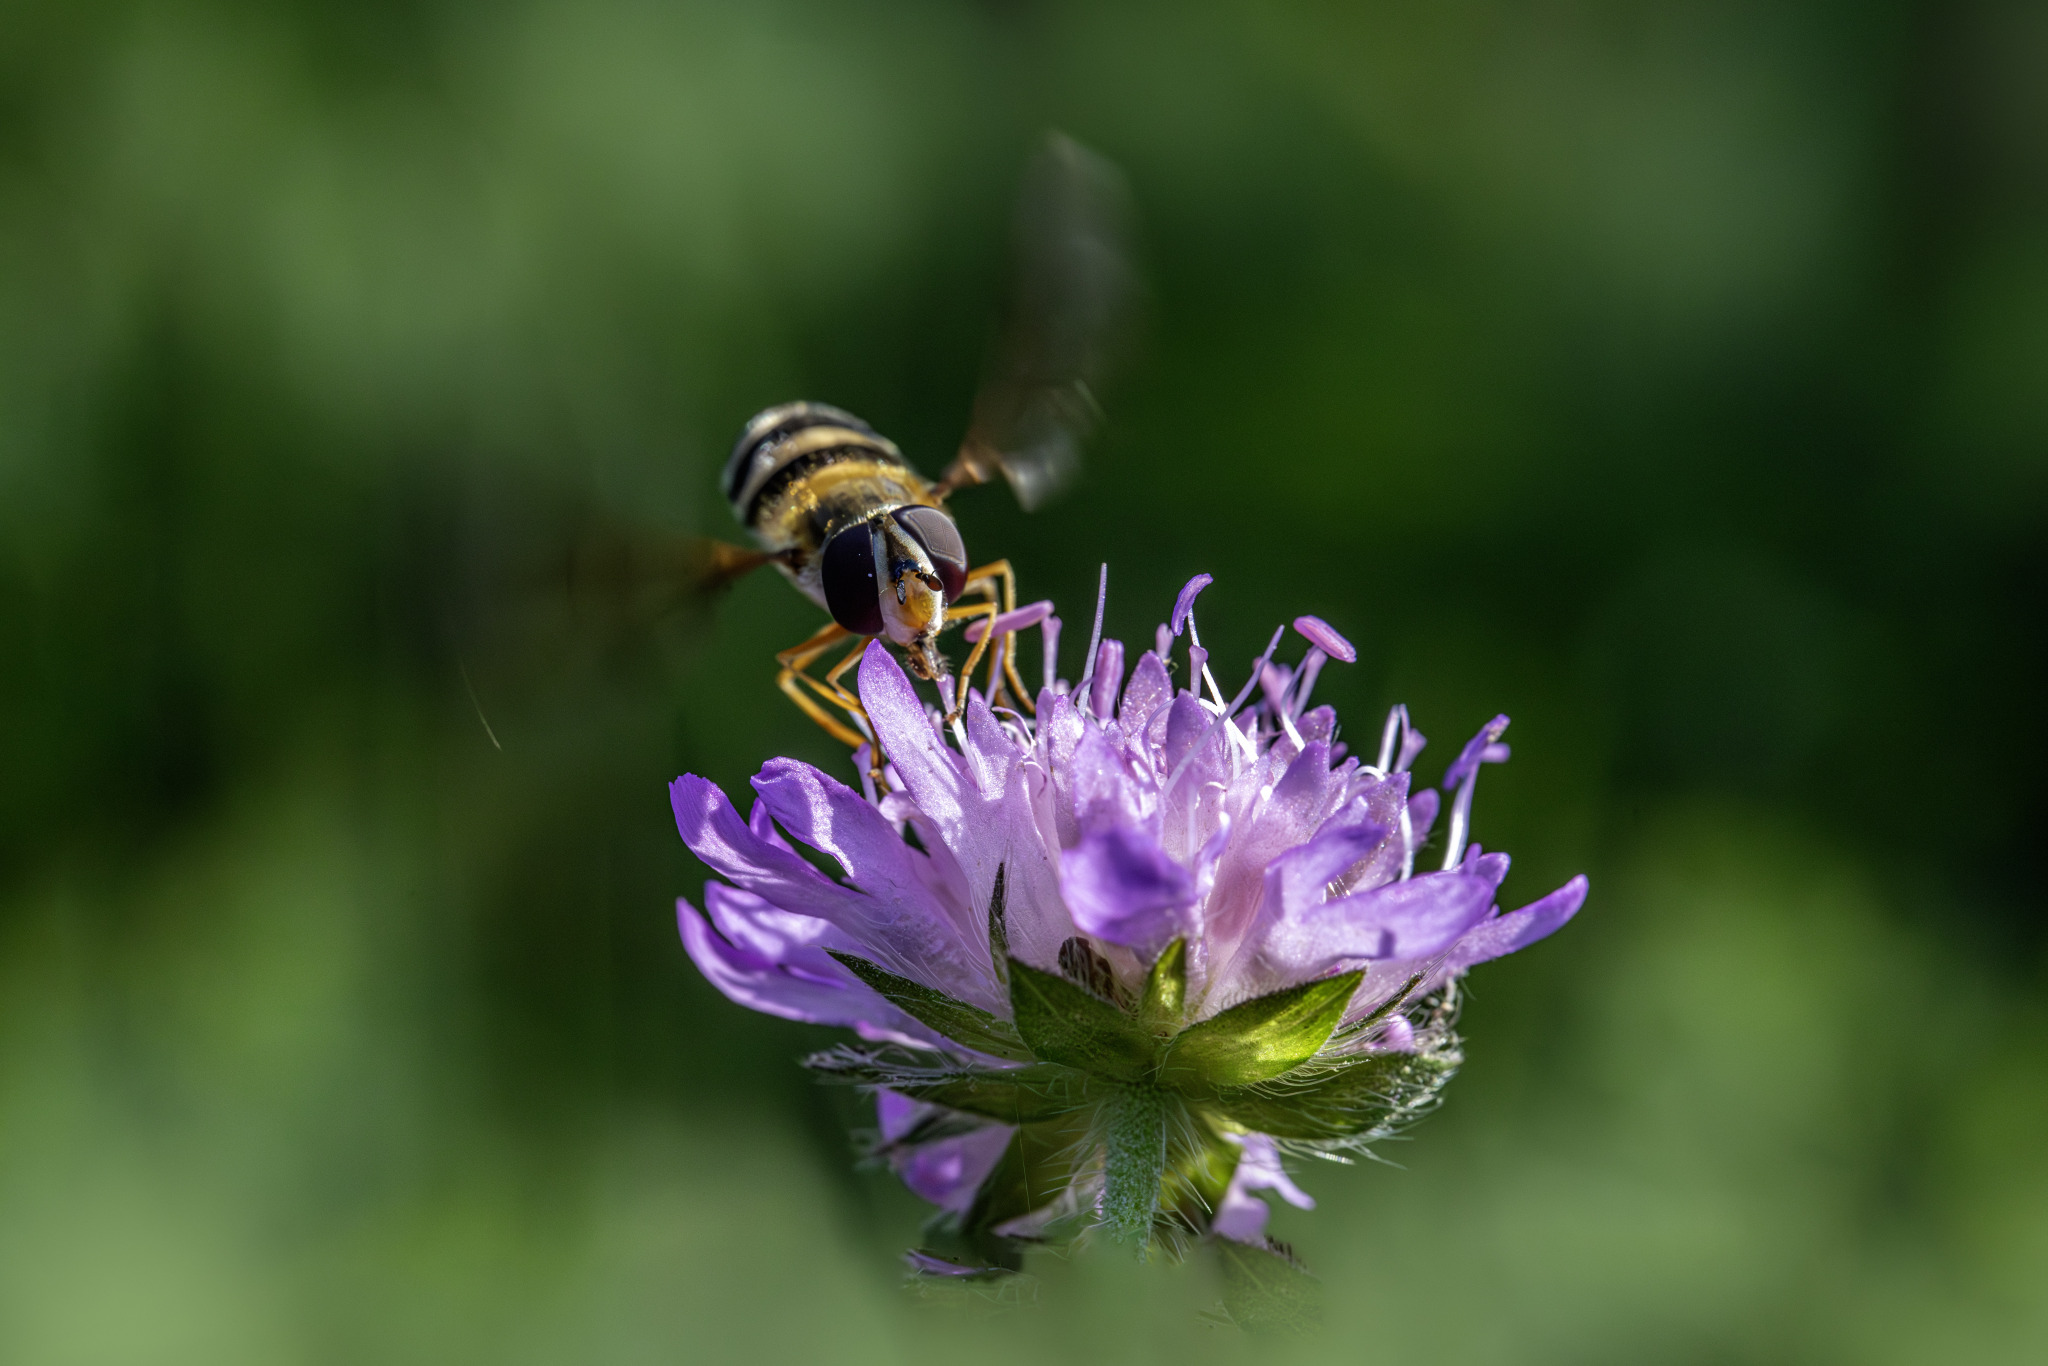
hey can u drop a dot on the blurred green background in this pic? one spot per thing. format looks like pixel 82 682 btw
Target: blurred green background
pixel 1672 377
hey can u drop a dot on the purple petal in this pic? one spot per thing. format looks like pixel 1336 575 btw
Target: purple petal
pixel 1240 1215
pixel 1483 748
pixel 1298 806
pixel 1518 929
pixel 798 983
pixel 912 937
pixel 1151 688
pixel 1422 808
pixel 836 820
pixel 1162 640
pixel 1023 618
pixel 1324 637
pixel 1185 603
pixel 1296 879
pixel 1402 920
pixel 1122 887
pixel 946 1171
pixel 983 829
pixel 1395 1036
pixel 1103 791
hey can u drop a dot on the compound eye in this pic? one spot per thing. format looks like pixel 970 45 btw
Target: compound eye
pixel 847 573
pixel 935 531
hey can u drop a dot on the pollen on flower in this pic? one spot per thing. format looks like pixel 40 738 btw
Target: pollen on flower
pixel 1113 957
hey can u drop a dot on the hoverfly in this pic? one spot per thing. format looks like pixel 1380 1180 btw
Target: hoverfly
pixel 838 509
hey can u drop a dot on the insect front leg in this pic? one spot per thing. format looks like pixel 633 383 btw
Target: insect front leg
pixel 985 577
pixel 793 679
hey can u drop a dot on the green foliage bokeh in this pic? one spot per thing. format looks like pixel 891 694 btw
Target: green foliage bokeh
pixel 1673 378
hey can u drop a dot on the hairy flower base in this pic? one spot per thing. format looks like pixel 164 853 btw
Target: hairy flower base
pixel 1113 960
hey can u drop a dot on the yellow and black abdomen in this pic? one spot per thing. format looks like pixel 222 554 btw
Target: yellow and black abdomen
pixel 802 472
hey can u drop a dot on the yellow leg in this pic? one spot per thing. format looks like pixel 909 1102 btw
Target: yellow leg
pixel 990 609
pixel 793 680
pixel 984 578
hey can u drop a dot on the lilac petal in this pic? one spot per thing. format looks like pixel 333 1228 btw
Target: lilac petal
pixel 1187 726
pixel 1185 603
pixel 833 818
pixel 1151 688
pixel 1162 640
pixel 757 980
pixel 1504 934
pixel 1102 788
pixel 1241 1216
pixel 1049 633
pixel 1109 677
pixel 915 939
pixel 1401 920
pixel 897 1114
pixel 1022 619
pixel 984 830
pixel 1121 886
pixel 1296 879
pixel 946 1171
pixel 1395 1036
pixel 1483 748
pixel 992 752
pixel 1422 808
pixel 1324 637
pixel 1300 802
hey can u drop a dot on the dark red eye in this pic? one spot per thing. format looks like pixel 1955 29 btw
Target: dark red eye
pixel 935 531
pixel 847 573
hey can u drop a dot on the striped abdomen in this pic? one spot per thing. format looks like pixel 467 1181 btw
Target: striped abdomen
pixel 803 471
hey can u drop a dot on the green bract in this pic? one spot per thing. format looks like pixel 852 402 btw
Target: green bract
pixel 1116 1093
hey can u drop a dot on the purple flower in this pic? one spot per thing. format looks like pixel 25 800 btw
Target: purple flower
pixel 1113 958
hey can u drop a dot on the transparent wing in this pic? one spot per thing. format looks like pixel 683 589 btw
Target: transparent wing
pixel 1069 320
pixel 621 576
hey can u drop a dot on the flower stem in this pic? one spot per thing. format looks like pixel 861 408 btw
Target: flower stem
pixel 1134 1129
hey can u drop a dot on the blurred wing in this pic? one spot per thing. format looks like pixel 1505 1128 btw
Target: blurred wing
pixel 627 575
pixel 1068 323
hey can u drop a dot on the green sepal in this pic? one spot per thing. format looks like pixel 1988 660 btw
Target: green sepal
pixel 968 1025
pixel 1026 1095
pixel 1062 1023
pixel 1259 1039
pixel 1166 988
pixel 1018 1095
pixel 1346 1101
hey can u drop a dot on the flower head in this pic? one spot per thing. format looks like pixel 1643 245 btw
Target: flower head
pixel 1112 960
